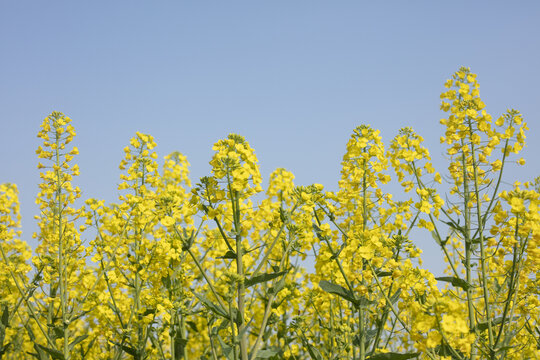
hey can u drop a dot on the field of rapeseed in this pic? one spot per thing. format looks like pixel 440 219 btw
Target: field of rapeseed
pixel 216 269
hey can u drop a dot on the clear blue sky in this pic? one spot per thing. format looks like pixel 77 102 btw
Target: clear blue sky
pixel 294 77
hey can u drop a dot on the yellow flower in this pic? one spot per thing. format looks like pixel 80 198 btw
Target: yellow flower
pixel 496 165
pixel 167 221
pixel 517 204
pixel 365 252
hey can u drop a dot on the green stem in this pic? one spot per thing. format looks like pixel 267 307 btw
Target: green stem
pixel 468 250
pixel 62 269
pixel 482 249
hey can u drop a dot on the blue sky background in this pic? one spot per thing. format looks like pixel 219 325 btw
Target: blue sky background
pixel 294 77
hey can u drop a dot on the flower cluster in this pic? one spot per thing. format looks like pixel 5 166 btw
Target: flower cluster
pixel 225 270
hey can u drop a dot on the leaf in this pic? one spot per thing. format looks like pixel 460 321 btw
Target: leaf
pixel 476 241
pixel 5 316
pixel 393 356
pixel 336 254
pixel 55 354
pixel 277 287
pixel 58 332
pixel 81 314
pixel 284 216
pixel 455 281
pixel 166 281
pixel 88 348
pixel 506 348
pixel 228 255
pixel 370 334
pixel 192 325
pixel 4 349
pixel 438 240
pixel 344 293
pixel 262 278
pixel 446 350
pixel 266 354
pixel 131 351
pixel 36 355
pixel 380 273
pixel 211 306
pixel 128 349
pixel 318 232
pixel 455 226
pixel 395 297
pixel 77 340
pixel 223 325
pixel 337 290
pixel 227 350
pixel 253 249
pixel 313 351
pixel 484 325
pixel 149 311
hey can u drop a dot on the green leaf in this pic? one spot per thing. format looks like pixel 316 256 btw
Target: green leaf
pixel 58 332
pixel 4 349
pixel 337 253
pixel 284 216
pixel 227 350
pixel 455 281
pixel 77 340
pixel 318 232
pixel 446 350
pixel 253 249
pixel 476 241
pixel 266 354
pixel 506 348
pixel 128 349
pixel 55 354
pixel 211 306
pixel 344 293
pixel 484 325
pixel 192 325
pixel 262 278
pixel 5 316
pixel 393 356
pixel 395 297
pixel 313 351
pixel 455 226
pixel 131 351
pixel 84 353
pixel 228 255
pixel 36 355
pixel 149 311
pixel 277 287
pixel 166 281
pixel 438 240
pixel 337 290
pixel 370 334
pixel 223 325
pixel 81 314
